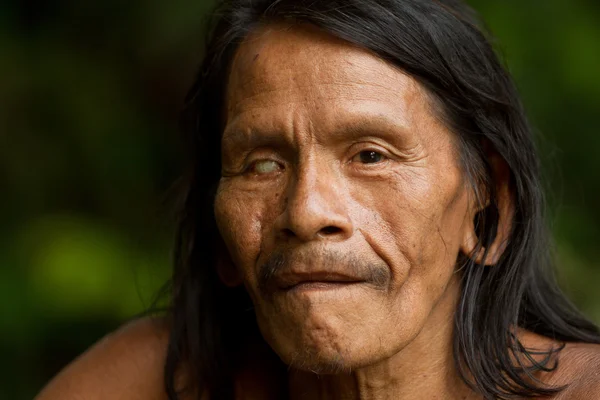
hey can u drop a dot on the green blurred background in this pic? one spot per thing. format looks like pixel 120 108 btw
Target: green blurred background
pixel 89 99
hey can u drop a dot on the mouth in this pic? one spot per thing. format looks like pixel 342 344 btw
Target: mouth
pixel 320 285
pixel 315 281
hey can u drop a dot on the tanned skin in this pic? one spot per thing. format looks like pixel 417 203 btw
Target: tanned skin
pixel 330 153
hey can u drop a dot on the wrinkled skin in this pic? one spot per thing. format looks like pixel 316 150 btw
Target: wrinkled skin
pixel 337 161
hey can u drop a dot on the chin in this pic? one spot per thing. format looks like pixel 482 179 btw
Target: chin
pixel 321 348
pixel 331 332
pixel 320 364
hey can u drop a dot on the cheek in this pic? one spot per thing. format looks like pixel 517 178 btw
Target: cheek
pixel 242 217
pixel 424 217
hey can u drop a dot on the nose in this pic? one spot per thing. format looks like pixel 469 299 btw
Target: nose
pixel 316 208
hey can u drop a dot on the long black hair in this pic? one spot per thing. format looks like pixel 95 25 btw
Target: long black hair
pixel 441 44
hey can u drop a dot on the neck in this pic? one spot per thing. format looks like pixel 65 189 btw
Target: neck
pixel 424 369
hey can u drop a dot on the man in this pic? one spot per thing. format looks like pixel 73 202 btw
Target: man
pixel 363 221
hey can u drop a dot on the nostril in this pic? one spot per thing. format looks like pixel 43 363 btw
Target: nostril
pixel 330 230
pixel 288 233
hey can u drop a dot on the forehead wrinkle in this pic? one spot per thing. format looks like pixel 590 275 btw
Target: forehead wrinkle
pixel 349 91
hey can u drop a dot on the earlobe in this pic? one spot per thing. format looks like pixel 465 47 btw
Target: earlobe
pixel 473 247
pixel 469 242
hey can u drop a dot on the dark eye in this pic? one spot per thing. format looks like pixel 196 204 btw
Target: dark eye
pixel 369 157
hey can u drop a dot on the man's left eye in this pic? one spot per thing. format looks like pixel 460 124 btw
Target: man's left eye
pixel 369 157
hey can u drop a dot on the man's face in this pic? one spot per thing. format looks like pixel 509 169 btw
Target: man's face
pixel 341 203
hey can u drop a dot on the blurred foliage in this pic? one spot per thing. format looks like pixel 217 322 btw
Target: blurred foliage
pixel 89 99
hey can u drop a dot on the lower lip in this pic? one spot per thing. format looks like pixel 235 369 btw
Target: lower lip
pixel 321 286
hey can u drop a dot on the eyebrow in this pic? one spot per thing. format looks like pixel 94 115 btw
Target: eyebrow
pixel 240 139
pixel 370 124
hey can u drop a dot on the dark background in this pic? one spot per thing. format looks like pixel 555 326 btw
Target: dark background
pixel 90 93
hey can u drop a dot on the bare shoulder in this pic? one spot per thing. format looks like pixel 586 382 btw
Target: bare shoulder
pixel 579 368
pixel 126 364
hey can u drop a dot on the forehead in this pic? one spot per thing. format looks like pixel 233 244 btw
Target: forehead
pixel 279 65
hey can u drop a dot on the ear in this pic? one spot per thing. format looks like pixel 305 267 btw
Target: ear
pixel 501 177
pixel 226 269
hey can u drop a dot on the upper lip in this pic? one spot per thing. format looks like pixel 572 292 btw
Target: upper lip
pixel 291 279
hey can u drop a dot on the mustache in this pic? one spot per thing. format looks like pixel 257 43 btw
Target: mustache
pixel 349 264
